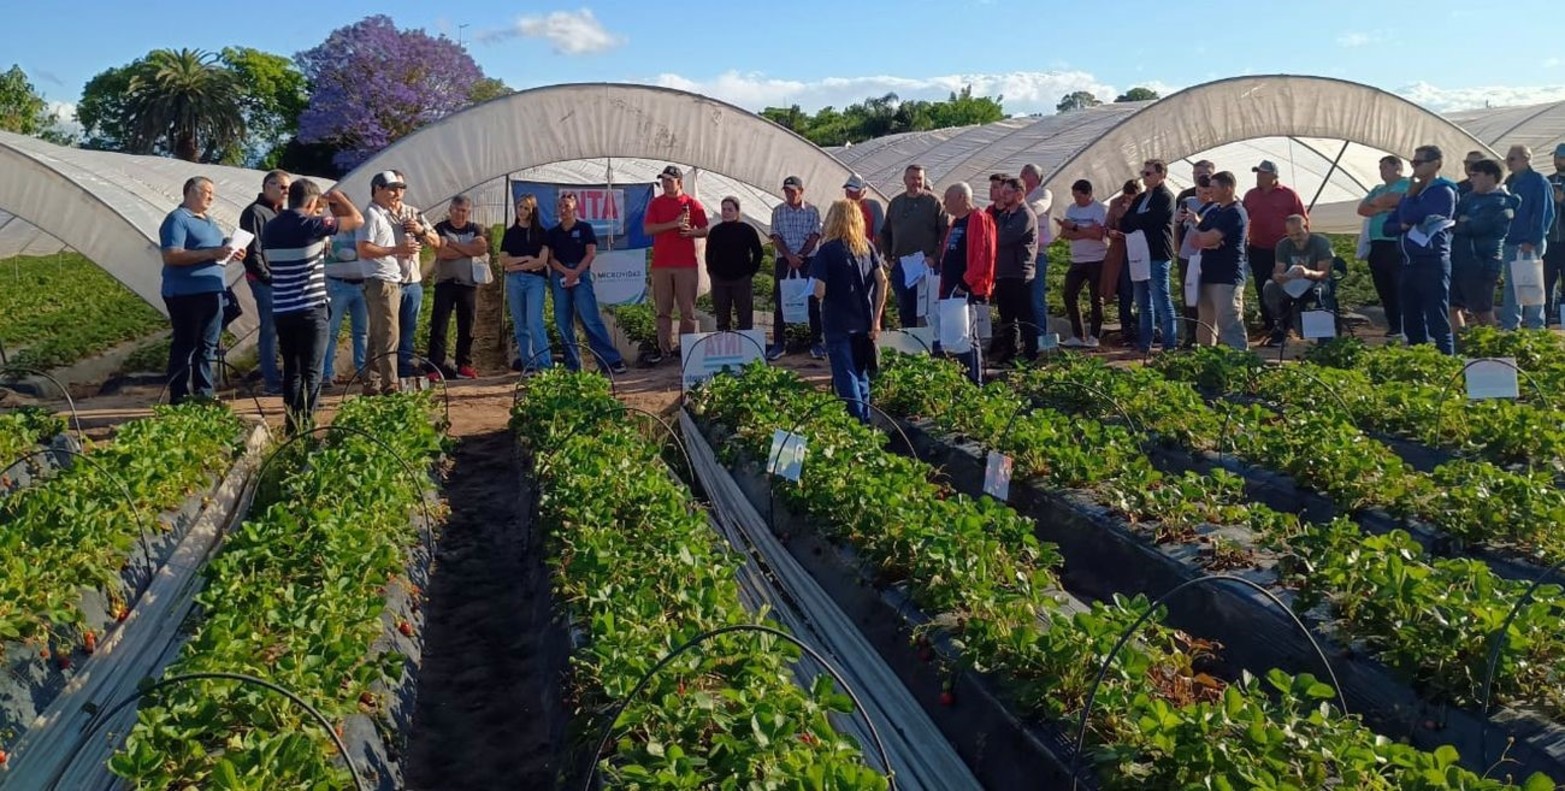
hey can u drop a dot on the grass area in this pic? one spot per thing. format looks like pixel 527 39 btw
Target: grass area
pixel 58 309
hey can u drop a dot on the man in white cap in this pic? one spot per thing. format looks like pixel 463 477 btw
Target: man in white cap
pixel 380 252
pixel 855 189
pixel 1269 205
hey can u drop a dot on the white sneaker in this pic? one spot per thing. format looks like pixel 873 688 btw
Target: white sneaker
pixel 1091 342
pixel 1073 342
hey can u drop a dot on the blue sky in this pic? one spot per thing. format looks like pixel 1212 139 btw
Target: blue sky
pixel 817 53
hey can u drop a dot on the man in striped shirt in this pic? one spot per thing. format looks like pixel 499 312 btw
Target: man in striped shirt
pixel 295 245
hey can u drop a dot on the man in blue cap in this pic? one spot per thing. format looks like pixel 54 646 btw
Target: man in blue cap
pixel 1554 254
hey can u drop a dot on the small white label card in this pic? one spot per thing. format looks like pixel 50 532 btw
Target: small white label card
pixel 997 476
pixel 786 459
pixel 1492 377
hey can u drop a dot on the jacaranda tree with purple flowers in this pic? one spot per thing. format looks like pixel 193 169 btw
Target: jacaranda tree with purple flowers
pixel 372 84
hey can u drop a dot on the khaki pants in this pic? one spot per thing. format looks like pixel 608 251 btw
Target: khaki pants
pixel 1221 308
pixel 383 299
pixel 672 285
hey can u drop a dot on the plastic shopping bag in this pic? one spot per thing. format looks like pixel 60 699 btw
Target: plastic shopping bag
pixel 796 291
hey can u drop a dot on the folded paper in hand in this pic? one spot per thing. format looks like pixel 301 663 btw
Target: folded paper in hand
pixel 1427 229
pixel 241 240
pixel 1296 287
pixel 913 269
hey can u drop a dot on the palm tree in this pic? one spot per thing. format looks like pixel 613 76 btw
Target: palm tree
pixel 186 100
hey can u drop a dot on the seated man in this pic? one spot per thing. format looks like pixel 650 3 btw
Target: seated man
pixel 1303 263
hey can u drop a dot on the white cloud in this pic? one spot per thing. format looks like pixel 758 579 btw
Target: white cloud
pixel 1024 91
pixel 1448 100
pixel 65 117
pixel 571 32
pixel 1551 63
pixel 1354 39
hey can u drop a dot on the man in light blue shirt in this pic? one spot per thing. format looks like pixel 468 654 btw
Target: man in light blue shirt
pixel 194 253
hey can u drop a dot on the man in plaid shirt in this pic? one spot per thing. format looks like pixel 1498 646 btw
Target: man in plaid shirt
pixel 796 230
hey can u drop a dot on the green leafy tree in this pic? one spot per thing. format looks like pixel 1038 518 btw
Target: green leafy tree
pixel 1077 100
pixel 878 116
pixel 273 94
pixel 187 101
pixel 22 110
pixel 1137 94
pixel 103 111
pixel 486 89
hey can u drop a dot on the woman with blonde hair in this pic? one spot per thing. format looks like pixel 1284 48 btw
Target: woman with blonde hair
pixel 851 287
pixel 524 255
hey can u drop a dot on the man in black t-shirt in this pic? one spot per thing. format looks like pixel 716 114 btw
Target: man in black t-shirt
pixel 1221 239
pixel 466 245
pixel 572 247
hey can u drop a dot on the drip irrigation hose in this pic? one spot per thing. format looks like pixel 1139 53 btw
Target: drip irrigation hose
pixel 7 370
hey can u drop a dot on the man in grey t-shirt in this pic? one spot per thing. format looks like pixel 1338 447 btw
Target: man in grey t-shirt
pixel 1303 262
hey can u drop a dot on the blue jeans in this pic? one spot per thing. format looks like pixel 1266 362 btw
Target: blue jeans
pixel 1426 303
pixel 580 301
pixel 347 300
pixel 1154 296
pixel 266 336
pixel 1512 313
pixel 849 376
pixel 1040 293
pixel 197 321
pixel 407 327
pixel 524 293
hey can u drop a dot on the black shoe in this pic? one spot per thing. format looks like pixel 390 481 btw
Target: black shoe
pixel 1273 341
pixel 618 368
pixel 516 365
pixel 653 358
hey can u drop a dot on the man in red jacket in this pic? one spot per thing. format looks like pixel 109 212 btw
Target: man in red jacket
pixel 967 254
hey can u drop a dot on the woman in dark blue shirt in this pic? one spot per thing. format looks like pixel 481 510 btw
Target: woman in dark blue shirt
pixel 524 255
pixel 851 287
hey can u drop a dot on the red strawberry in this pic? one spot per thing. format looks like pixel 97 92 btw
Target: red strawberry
pixel 4 758
pixel 405 628
pixel 90 642
pixel 807 738
pixel 946 698
pixel 64 661
pixel 681 686
pixel 367 700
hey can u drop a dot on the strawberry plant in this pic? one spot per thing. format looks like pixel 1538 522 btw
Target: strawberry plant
pixel 55 310
pixel 641 571
pixel 298 596
pixel 21 431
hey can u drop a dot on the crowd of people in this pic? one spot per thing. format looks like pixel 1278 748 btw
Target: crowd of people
pixel 1437 252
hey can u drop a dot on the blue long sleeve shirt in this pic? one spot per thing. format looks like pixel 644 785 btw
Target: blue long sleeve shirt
pixel 1436 200
pixel 1536 213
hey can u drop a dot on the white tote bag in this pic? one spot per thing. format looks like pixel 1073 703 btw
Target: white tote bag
pixel 796 290
pixel 1193 281
pixel 1527 279
pixel 955 325
pixel 1362 250
pixel 482 274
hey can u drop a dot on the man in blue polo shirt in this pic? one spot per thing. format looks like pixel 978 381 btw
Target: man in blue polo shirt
pixel 194 253
pixel 572 247
pixel 295 245
pixel 1423 221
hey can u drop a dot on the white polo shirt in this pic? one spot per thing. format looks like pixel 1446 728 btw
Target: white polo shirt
pixel 380 229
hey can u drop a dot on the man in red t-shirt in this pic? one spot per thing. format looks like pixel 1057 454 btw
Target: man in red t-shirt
pixel 674 221
pixel 1269 206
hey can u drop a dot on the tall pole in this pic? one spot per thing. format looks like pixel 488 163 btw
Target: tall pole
pixel 459 31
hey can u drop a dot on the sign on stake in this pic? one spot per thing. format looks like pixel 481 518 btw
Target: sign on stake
pixel 786 459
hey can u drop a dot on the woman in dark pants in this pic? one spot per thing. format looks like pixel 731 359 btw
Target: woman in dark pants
pixel 851 287
pixel 194 254
pixel 733 256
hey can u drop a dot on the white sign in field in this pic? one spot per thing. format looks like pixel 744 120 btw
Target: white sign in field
pixel 786 459
pixel 703 355
pixel 620 277
pixel 1492 377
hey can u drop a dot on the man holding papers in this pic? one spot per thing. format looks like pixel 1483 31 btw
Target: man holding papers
pixel 1423 220
pixel 910 240
pixel 1303 263
pixel 194 252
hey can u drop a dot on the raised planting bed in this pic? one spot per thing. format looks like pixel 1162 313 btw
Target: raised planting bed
pixel 1125 529
pixel 981 575
pixel 638 571
pixel 94 552
pixel 317 592
pixel 24 431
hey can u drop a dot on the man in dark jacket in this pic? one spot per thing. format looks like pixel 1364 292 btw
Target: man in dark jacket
pixel 1528 237
pixel 1423 222
pixel 1016 251
pixel 258 276
pixel 1483 218
pixel 1554 256
pixel 1152 215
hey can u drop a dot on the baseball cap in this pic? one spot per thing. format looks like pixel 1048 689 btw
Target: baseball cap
pixel 386 178
pixel 793 181
pixel 1559 150
pixel 854 183
pixel 1266 166
pixel 672 172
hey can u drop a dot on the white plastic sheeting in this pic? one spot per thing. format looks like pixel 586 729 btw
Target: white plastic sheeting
pixel 1538 126
pixel 567 123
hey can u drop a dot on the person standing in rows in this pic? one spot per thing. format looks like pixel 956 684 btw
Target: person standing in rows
pixel 411 225
pixel 464 245
pixel 524 257
pixel 1268 204
pixel 1554 254
pixel 914 223
pixel 674 220
pixel 1529 233
pixel 1152 215
pixel 857 190
pixel 1423 221
pixel 1220 235
pixel 796 229
pixel 1041 201
pixel 194 252
pixel 1016 248
pixel 1084 224
pixel 967 262
pixel 573 246
pixel 1483 219
pixel 274 192
pixel 382 254
pixel 1115 284
pixel 1189 203
pixel 1385 254
pixel 850 284
pixel 345 292
pixel 296 244
pixel 1466 184
pixel 733 256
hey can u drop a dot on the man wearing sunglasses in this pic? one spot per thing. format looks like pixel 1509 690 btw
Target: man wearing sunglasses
pixel 1423 222
pixel 1528 235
